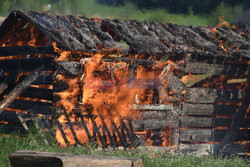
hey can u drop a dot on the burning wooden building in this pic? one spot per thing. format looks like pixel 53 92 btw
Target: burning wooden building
pixel 126 83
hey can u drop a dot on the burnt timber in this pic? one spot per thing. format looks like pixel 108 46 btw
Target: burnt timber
pixel 201 113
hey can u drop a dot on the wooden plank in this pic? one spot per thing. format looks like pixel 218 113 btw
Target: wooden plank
pixel 154 124
pixel 206 95
pixel 201 135
pixel 34 158
pixel 208 109
pixel 27 64
pixel 39 93
pixel 204 122
pixel 8 80
pixel 215 69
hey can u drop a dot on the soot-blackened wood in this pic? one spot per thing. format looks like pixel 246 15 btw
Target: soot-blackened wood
pixel 39 93
pixel 122 139
pixel 206 95
pixel 208 109
pixel 210 135
pixel 41 80
pixel 26 105
pixel 203 122
pixel 8 80
pixel 25 50
pixel 68 68
pixel 238 118
pixel 215 69
pixel 154 124
pixel 62 132
pixel 71 127
pixel 112 140
pixel 25 65
pixel 103 141
pixel 20 88
pixel 201 135
pixel 49 159
pixel 85 127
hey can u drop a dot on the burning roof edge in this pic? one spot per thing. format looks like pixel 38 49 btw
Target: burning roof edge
pixel 133 37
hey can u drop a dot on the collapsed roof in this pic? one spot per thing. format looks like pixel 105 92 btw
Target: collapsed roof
pixel 81 34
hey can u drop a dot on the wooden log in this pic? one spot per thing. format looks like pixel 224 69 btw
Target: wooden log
pixel 201 135
pixel 204 122
pixel 154 124
pixel 19 89
pixel 8 80
pixel 34 158
pixel 206 95
pixel 39 93
pixel 69 68
pixel 153 107
pixel 25 50
pixel 41 80
pixel 208 109
pixel 215 69
pixel 25 65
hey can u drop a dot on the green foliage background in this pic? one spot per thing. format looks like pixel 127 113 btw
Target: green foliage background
pixel 186 12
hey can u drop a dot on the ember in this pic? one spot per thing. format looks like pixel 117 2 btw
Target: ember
pixel 112 83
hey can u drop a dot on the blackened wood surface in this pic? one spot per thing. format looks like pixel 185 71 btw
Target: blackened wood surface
pixel 123 36
pixel 41 80
pixel 27 64
pixel 208 109
pixel 154 124
pixel 8 81
pixel 19 89
pixel 206 95
pixel 215 69
pixel 204 122
pixel 26 105
pixel 25 50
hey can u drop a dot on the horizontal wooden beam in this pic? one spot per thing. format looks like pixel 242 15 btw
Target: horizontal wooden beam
pixel 35 158
pixel 25 50
pixel 204 122
pixel 208 109
pixel 154 124
pixel 206 95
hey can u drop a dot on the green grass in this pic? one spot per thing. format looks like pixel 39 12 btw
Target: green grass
pixel 33 141
pixel 90 8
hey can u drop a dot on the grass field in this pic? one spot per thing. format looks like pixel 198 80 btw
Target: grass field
pixel 33 141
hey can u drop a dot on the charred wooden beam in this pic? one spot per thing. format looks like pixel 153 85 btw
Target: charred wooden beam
pixel 27 64
pixel 215 69
pixel 71 127
pixel 204 122
pixel 20 88
pixel 41 80
pixel 8 80
pixel 85 127
pixel 62 132
pixel 122 139
pixel 154 124
pixel 206 95
pixel 25 50
pixel 103 141
pixel 135 141
pixel 208 109
pixel 22 121
pixel 111 138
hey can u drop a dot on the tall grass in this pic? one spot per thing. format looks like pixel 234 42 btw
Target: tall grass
pixel 33 141
pixel 90 8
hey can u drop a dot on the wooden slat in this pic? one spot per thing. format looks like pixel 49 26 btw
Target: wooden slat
pixel 215 69
pixel 204 122
pixel 208 109
pixel 27 64
pixel 154 124
pixel 34 158
pixel 206 95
